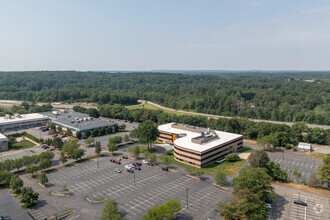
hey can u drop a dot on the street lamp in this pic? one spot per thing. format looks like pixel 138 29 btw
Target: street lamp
pixel 134 177
pixel 187 197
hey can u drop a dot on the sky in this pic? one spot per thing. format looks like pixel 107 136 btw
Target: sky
pixel 164 35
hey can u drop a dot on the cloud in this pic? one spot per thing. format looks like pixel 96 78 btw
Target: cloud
pixel 316 10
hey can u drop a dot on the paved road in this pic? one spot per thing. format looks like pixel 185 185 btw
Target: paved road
pixel 218 116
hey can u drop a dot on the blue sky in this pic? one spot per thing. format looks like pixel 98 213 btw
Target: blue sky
pixel 164 34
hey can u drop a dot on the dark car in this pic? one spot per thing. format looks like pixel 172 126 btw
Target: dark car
pixel 299 202
pixel 130 170
pixel 137 168
pixel 165 168
pixel 51 149
pixel 139 164
pixel 112 160
pixel 125 157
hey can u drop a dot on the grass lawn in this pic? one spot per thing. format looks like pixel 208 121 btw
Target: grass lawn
pixel 23 145
pixel 230 168
pixel 317 155
pixel 152 107
pixel 246 149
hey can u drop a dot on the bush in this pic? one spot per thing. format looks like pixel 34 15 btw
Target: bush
pixel 31 137
pixel 232 157
pixel 168 152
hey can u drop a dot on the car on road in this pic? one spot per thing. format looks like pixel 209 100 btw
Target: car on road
pixel 144 161
pixel 125 157
pixel 117 162
pixel 117 170
pixel 165 168
pixel 130 170
pixel 299 202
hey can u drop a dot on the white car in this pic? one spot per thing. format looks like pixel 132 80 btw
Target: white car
pixel 117 170
pixel 269 206
pixel 128 166
pixel 144 161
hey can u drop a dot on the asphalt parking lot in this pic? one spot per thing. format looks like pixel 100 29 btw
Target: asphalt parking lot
pixel 305 165
pixel 317 206
pixel 152 187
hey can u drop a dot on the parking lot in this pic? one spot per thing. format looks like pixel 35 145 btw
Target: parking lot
pixel 305 165
pixel 317 206
pixel 152 187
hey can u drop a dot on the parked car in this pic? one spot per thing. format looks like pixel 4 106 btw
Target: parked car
pixel 118 159
pixel 51 149
pixel 165 168
pixel 117 170
pixel 125 157
pixel 117 162
pixel 130 170
pixel 299 202
pixel 63 136
pixel 134 164
pixel 144 161
pixel 269 206
pixel 140 164
pixel 112 160
pixel 128 166
pixel 44 146
pixel 137 168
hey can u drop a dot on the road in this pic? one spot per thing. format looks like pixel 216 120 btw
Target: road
pixel 218 116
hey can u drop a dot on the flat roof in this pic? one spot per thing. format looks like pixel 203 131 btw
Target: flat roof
pixel 68 119
pixel 186 141
pixel 22 118
pixel 3 137
pixel 11 210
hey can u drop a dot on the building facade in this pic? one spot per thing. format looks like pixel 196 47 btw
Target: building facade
pixel 197 146
pixel 17 121
pixel 3 143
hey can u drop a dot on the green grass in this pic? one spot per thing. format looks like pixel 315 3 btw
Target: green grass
pixel 230 168
pixel 32 151
pixel 246 149
pixel 317 155
pixel 23 145
pixel 152 107
pixel 63 214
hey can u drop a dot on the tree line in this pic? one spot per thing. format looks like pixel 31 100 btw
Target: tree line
pixel 261 96
pixel 267 133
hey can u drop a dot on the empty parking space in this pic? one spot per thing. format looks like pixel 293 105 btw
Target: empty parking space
pixel 304 165
pixel 14 155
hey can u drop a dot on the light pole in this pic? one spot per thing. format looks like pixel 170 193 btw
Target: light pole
pixel 187 197
pixel 134 177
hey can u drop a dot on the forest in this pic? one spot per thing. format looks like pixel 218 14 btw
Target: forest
pixel 271 96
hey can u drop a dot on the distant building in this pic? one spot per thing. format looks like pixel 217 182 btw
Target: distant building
pixel 17 121
pixel 305 146
pixel 197 146
pixel 76 121
pixel 10 209
pixel 3 143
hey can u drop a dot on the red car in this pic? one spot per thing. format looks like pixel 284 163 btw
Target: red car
pixel 134 164
pixel 117 162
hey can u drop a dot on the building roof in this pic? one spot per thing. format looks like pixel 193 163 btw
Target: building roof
pixel 76 121
pixel 190 137
pixel 22 118
pixel 9 209
pixel 304 145
pixel 3 137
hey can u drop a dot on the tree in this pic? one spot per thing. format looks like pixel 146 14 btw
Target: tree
pixel 313 181
pixel 122 127
pixel 103 130
pixel 110 211
pixel 65 190
pixel 135 151
pixel 232 157
pixel 47 155
pixel 70 146
pixel 57 142
pixel 166 160
pixel 234 210
pixel 68 132
pixel 90 141
pixel 16 183
pixel 11 141
pixel 45 163
pixel 95 132
pixel 18 164
pixel 29 197
pixel 147 132
pixel 324 171
pixel 8 165
pixel 31 169
pixel 112 148
pixel 116 140
pixel 43 178
pixel 167 211
pixel 77 154
pixel 259 158
pixel 274 170
pixel 220 176
pixel 59 129
pixel 126 138
pixel 78 134
pixel 87 133
pixel 5 177
pixel 63 158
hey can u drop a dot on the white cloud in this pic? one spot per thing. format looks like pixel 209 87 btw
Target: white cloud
pixel 316 10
